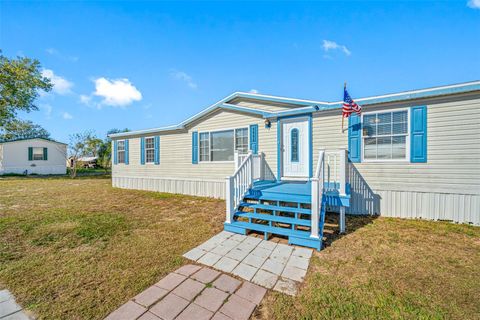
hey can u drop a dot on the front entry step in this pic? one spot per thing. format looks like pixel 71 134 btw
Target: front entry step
pixel 296 237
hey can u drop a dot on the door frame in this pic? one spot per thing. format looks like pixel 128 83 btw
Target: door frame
pixel 280 121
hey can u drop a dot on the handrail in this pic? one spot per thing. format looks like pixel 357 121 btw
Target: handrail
pixel 317 194
pixel 238 185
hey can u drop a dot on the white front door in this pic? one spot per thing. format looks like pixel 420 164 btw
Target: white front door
pixel 295 148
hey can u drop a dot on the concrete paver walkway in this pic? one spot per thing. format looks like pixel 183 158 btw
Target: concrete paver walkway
pixel 272 265
pixel 193 292
pixel 9 309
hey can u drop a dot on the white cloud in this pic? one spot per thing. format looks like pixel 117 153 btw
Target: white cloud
pixel 60 85
pixel 115 93
pixel 58 54
pixel 474 4
pixel 67 116
pixel 182 76
pixel 332 45
pixel 255 91
pixel 85 99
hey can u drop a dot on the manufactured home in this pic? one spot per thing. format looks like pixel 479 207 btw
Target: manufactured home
pixel 280 162
pixel 33 156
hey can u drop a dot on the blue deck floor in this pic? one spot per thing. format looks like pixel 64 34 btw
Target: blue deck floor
pixel 299 190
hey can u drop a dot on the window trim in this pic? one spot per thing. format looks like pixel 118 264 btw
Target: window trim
pixel 145 150
pixel 407 137
pixel 210 143
pixel 118 151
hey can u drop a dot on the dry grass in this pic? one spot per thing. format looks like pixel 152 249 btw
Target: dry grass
pixel 389 269
pixel 78 249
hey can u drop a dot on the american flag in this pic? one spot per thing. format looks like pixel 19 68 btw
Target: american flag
pixel 349 106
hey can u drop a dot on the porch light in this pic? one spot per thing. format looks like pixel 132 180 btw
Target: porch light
pixel 268 124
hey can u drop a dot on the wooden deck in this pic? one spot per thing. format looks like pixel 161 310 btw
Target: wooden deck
pixel 284 208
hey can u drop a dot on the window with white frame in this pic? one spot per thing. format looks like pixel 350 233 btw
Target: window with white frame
pixel 204 146
pixel 149 150
pixel 37 153
pixel 241 140
pixel 220 145
pixel 385 135
pixel 121 151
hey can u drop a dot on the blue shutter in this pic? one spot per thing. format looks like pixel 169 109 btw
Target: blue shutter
pixel 126 152
pixel 354 138
pixel 115 159
pixel 45 153
pixel 157 150
pixel 30 153
pixel 142 150
pixel 194 147
pixel 254 138
pixel 418 134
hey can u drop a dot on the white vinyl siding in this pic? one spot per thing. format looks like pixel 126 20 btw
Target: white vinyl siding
pixel 177 162
pixel 450 179
pixel 14 157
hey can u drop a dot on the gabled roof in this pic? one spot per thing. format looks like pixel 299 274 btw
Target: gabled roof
pixel 307 106
pixel 25 139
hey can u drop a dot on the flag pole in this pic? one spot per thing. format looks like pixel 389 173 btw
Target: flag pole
pixel 344 87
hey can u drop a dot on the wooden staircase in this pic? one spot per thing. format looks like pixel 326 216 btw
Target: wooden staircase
pixel 276 213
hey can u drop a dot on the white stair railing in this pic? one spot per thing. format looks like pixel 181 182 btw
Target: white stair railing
pixel 238 185
pixel 336 170
pixel 317 193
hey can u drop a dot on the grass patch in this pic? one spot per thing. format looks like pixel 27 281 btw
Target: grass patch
pixel 78 249
pixel 389 269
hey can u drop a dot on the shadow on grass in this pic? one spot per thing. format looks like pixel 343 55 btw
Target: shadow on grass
pixel 331 230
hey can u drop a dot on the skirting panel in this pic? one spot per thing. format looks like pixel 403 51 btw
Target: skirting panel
pixel 460 208
pixel 201 188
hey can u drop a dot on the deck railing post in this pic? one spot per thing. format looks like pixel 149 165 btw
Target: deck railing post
pixel 315 209
pixel 343 171
pixel 342 219
pixel 252 172
pixel 229 196
pixel 262 166
pixel 236 158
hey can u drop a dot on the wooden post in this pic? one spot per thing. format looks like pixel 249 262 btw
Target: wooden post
pixel 262 166
pixel 342 219
pixel 315 209
pixel 343 172
pixel 229 199
pixel 236 159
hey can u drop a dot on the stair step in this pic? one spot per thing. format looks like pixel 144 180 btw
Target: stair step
pixel 280 197
pixel 274 230
pixel 269 217
pixel 276 208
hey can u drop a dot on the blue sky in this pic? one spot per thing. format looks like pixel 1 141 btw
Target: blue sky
pixel 149 64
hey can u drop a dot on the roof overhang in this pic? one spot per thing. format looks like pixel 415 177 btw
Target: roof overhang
pixel 307 106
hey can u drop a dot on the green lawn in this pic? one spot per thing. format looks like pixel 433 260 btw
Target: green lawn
pixel 78 249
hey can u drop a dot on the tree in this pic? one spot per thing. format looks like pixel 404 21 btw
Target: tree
pixel 92 144
pixel 77 149
pixel 19 129
pixel 21 81
pixel 105 150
